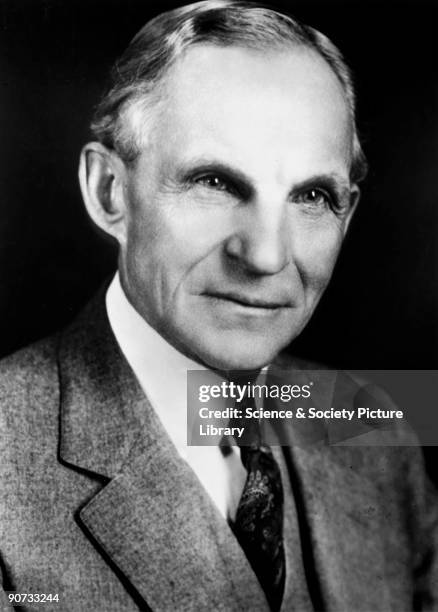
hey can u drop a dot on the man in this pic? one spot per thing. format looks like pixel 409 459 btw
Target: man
pixel 226 165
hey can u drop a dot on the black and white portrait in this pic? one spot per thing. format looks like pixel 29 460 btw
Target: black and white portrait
pixel 200 201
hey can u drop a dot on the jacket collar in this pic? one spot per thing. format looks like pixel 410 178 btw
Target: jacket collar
pixel 103 408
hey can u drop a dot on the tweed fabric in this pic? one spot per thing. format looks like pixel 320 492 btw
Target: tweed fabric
pixel 95 503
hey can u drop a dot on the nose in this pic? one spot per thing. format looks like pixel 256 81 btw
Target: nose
pixel 261 241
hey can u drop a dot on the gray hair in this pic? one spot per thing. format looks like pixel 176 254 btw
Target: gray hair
pixel 138 75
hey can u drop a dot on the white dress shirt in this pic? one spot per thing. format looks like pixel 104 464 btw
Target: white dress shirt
pixel 162 373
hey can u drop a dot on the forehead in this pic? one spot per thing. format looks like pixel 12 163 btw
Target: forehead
pixel 244 104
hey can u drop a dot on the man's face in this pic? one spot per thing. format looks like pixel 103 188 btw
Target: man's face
pixel 238 203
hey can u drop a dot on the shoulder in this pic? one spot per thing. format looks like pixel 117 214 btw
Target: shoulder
pixel 29 387
pixel 29 370
pixel 29 416
pixel 352 390
pixel 31 375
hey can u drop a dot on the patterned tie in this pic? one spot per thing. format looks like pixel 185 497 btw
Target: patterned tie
pixel 259 519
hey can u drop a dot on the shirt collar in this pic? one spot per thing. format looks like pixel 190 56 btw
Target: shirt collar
pixel 160 369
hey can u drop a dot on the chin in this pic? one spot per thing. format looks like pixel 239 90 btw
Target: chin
pixel 239 357
pixel 232 349
pixel 237 362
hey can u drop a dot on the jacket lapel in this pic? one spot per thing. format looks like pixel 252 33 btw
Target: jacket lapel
pixel 342 535
pixel 152 518
pixel 338 507
pixel 157 524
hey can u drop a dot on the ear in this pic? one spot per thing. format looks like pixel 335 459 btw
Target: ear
pixel 354 201
pixel 102 178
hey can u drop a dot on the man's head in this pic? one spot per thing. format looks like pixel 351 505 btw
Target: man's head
pixel 227 169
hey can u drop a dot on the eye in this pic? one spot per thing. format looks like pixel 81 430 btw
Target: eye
pixel 315 198
pixel 213 181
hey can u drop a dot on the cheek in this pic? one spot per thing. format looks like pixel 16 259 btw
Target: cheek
pixel 316 257
pixel 170 241
pixel 144 259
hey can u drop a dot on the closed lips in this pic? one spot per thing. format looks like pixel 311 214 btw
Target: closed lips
pixel 249 301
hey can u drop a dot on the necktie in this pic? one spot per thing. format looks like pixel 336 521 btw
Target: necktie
pixel 259 520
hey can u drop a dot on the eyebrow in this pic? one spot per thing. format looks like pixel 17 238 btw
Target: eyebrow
pixel 239 180
pixel 332 181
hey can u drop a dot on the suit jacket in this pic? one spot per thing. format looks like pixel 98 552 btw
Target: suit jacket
pixel 97 506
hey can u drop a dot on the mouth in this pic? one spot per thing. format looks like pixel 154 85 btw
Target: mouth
pixel 249 302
